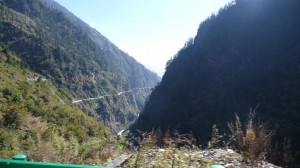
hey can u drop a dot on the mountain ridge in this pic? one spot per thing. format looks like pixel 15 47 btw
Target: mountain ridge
pixel 244 57
pixel 111 51
pixel 53 45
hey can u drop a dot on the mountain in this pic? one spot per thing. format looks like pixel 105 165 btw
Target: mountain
pixel 246 56
pixel 134 72
pixel 37 118
pixel 77 59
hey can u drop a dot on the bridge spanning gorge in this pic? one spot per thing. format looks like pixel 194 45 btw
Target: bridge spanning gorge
pixel 111 95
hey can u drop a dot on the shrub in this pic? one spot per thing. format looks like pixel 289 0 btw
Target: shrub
pixel 14 115
pixel 255 142
pixel 215 138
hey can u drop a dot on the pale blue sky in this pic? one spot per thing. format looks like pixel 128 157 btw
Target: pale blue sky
pixel 151 31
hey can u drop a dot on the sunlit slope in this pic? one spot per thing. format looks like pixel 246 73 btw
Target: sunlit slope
pixel 36 118
pixel 53 45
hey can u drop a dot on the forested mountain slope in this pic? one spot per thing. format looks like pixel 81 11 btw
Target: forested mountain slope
pixel 62 48
pixel 131 70
pixel 246 55
pixel 36 118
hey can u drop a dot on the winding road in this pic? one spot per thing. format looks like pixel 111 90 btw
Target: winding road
pixel 117 94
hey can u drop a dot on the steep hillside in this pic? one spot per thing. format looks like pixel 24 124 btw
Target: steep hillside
pixel 247 55
pixel 36 118
pixel 134 72
pixel 63 49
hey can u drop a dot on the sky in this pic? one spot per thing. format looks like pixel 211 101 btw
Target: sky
pixel 151 31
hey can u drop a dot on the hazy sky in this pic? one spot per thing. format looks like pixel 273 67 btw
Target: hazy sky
pixel 151 31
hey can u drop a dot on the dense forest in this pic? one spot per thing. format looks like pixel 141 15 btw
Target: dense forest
pixel 75 58
pixel 246 56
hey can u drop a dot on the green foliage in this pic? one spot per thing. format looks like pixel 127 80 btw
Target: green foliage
pixel 90 149
pixel 75 58
pixel 236 133
pixel 215 138
pixel 151 153
pixel 75 130
pixel 37 120
pixel 123 142
pixel 13 115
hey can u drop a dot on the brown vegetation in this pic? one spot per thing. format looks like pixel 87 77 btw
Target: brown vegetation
pixel 255 142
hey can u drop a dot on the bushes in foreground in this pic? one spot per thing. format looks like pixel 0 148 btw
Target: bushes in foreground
pixel 253 143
